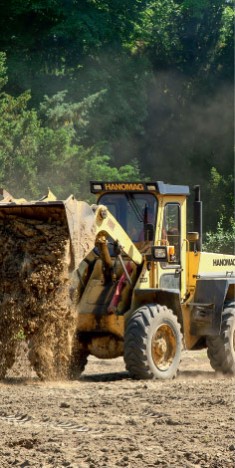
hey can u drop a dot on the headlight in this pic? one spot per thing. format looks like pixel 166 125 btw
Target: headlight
pixel 159 253
pixel 163 253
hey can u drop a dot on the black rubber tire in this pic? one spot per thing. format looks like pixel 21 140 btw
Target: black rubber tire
pixel 144 333
pixel 221 349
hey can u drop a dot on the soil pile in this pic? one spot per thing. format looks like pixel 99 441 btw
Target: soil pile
pixel 34 294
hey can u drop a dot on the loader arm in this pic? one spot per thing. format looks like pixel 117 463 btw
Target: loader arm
pixel 107 225
pixel 89 225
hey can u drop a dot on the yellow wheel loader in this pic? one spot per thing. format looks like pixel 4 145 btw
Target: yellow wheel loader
pixel 122 277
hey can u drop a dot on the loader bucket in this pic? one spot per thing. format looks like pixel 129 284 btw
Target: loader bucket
pixel 82 233
pixel 78 216
pixel 41 245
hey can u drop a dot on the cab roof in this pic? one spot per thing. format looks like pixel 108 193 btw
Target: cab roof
pixel 159 187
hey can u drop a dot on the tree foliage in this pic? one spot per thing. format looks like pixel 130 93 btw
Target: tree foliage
pixel 111 89
pixel 42 149
pixel 221 240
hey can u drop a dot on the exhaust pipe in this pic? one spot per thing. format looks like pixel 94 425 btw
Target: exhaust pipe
pixel 197 216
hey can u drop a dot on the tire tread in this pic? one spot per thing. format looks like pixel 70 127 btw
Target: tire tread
pixel 219 347
pixel 135 340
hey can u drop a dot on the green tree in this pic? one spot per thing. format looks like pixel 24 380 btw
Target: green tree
pixel 219 194
pixel 150 81
pixel 19 132
pixel 37 152
pixel 221 240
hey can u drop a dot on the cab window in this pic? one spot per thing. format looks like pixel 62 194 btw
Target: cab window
pixel 136 212
pixel 171 228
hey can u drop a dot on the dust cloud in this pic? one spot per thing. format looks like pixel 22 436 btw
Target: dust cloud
pixel 189 130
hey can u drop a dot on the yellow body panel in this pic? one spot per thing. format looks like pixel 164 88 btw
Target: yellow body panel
pixel 107 323
pixel 204 263
pixel 143 282
pixel 216 264
pixel 189 339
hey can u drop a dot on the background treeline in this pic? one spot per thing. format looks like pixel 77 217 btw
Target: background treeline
pixel 119 89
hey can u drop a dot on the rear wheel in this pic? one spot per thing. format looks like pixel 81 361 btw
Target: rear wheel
pixel 152 343
pixel 221 349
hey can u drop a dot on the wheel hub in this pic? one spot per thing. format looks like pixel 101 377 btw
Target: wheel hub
pixel 163 347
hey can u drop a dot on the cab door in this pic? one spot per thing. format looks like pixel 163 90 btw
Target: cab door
pixel 172 275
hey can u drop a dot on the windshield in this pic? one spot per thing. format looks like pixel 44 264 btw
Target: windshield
pixel 133 211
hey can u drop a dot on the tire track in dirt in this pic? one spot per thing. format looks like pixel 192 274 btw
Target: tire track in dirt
pixel 187 422
pixel 31 422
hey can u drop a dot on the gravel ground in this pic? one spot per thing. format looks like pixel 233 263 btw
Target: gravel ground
pixel 108 420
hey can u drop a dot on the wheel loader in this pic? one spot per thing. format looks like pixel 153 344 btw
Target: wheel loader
pixel 122 277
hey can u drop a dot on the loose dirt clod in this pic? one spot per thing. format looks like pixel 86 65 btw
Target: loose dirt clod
pixel 34 294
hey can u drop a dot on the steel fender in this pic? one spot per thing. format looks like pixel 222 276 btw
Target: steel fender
pixel 164 297
pixel 207 306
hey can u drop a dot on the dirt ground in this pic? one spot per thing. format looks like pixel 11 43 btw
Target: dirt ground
pixel 108 420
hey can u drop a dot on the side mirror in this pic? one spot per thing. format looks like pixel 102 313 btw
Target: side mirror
pixel 192 236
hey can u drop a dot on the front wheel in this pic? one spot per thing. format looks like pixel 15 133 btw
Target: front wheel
pixel 221 349
pixel 152 343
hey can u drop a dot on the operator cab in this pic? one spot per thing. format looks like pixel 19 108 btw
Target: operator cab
pixel 136 213
pixel 137 206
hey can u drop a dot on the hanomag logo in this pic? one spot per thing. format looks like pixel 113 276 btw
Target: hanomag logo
pixel 124 187
pixel 224 262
